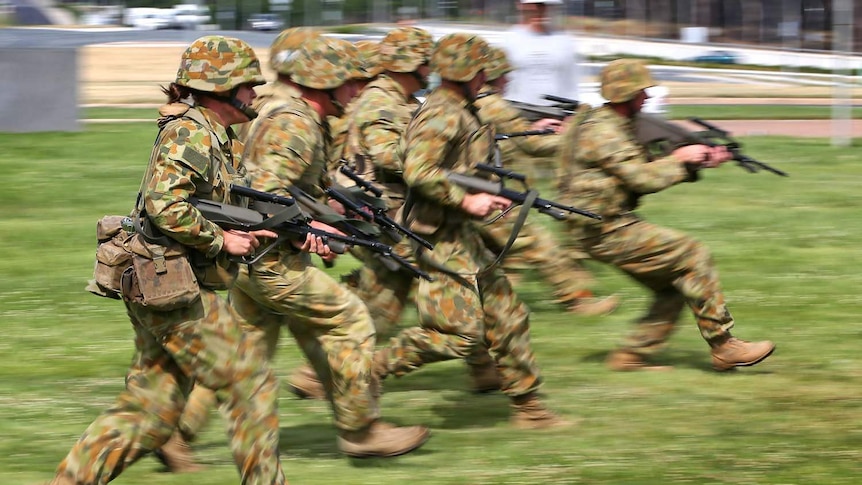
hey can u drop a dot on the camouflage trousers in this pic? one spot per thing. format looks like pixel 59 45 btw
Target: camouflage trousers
pixel 677 269
pixel 536 248
pixel 331 325
pixel 461 313
pixel 204 344
pixel 385 292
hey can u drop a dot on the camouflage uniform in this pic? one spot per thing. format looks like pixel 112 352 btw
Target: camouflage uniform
pixel 202 399
pixel 535 246
pixel 604 169
pixel 373 151
pixel 287 146
pixel 464 306
pixel 279 55
pixel 369 53
pixel 202 342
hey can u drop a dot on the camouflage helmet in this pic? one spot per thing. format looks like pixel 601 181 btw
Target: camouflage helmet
pixel 405 49
pixel 218 64
pixel 459 57
pixel 356 62
pixel 369 52
pixel 498 64
pixel 288 41
pixel 322 63
pixel 623 79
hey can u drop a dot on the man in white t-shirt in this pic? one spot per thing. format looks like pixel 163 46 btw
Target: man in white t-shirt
pixel 544 61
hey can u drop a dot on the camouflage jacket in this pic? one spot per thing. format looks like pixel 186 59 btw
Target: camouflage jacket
pixel 265 93
pixel 194 156
pixel 374 134
pixel 602 168
pixel 338 130
pixel 445 135
pixel 286 146
pixel 496 110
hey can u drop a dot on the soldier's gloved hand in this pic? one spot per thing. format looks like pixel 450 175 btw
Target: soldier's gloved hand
pixel 483 204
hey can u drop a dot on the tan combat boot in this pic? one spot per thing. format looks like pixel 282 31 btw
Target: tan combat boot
pixel 530 413
pixel 485 377
pixel 177 456
pixel 382 439
pixel 591 307
pixel 305 384
pixel 731 352
pixel 625 360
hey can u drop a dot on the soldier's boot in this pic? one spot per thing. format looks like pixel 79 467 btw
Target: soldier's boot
pixel 382 439
pixel 304 382
pixel 176 454
pixel 730 352
pixel 622 360
pixel 485 377
pixel 528 412
pixel 592 306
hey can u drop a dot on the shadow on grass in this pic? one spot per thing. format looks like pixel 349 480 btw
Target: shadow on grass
pixel 685 359
pixel 464 410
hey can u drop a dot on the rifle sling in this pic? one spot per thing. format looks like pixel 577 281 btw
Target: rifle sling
pixel 422 253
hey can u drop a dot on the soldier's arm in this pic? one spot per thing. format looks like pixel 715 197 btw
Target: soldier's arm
pixel 429 140
pixel 508 119
pixel 283 152
pixel 381 131
pixel 618 154
pixel 182 163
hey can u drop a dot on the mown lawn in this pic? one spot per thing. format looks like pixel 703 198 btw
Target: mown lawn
pixel 787 249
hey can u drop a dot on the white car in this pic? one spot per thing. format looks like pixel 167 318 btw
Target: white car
pixel 190 16
pixel 146 18
pixel 266 22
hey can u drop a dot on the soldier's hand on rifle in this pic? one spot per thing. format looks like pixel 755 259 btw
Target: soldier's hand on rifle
pixel 548 123
pixel 336 206
pixel 314 244
pixel 483 204
pixel 239 243
pixel 703 155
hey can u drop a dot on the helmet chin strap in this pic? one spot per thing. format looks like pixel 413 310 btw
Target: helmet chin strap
pixel 332 99
pixel 423 81
pixel 245 109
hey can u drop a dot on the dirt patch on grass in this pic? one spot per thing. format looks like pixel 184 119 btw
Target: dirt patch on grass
pixel 133 74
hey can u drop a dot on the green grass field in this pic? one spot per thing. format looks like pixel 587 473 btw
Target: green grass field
pixel 787 250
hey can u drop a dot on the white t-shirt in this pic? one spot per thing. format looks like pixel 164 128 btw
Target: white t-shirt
pixel 543 64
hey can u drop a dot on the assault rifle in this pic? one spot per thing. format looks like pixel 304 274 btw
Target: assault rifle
pixel 355 227
pixel 560 110
pixel 662 136
pixel 477 184
pixel 283 216
pixel 373 210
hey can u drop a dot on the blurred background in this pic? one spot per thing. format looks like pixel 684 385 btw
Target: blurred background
pixel 790 24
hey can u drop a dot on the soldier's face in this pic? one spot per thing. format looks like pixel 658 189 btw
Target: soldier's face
pixel 424 71
pixel 637 102
pixel 536 15
pixel 475 84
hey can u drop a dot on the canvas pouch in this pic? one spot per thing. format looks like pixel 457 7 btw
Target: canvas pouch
pixel 112 258
pixel 160 277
